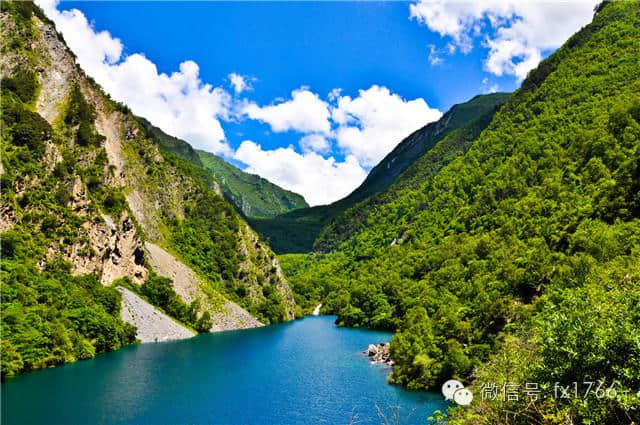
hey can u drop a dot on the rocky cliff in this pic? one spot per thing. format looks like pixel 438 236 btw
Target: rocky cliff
pixel 123 205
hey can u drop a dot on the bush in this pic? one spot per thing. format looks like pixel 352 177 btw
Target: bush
pixel 23 83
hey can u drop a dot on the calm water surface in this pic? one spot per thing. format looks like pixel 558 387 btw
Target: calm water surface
pixel 304 372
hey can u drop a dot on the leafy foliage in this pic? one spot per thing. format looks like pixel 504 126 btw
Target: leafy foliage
pixel 50 317
pixel 303 229
pixel 23 83
pixel 523 246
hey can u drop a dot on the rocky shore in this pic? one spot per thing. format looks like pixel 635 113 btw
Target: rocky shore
pixel 379 353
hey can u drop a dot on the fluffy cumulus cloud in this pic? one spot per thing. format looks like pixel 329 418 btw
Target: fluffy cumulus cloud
pixel 320 180
pixel 519 31
pixel 341 136
pixel 179 103
pixel 364 128
pixel 315 143
pixel 239 82
pixel 305 112
pixel 373 123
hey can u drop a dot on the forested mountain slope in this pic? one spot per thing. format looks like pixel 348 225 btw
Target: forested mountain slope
pixel 519 260
pixel 420 141
pixel 251 194
pixel 355 219
pixel 298 230
pixel 91 200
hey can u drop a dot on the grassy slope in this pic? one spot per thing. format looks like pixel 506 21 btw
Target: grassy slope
pixel 517 261
pixel 252 194
pixel 298 230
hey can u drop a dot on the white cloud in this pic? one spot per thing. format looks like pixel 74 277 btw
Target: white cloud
pixel 315 143
pixel 320 180
pixel 239 82
pixel 434 55
pixel 373 123
pixel 487 87
pixel 365 128
pixel 334 94
pixel 305 112
pixel 520 30
pixel 179 103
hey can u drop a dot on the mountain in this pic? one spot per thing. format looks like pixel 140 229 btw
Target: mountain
pixel 420 141
pixel 251 194
pixel 172 144
pixel 107 235
pixel 511 256
pixel 298 230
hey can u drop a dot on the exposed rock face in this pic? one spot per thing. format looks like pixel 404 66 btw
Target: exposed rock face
pixel 225 315
pixel 111 250
pixel 109 125
pixel 79 201
pixel 57 76
pixel 7 217
pixel 155 187
pixel 379 353
pixel 233 317
pixel 153 325
pixel 123 254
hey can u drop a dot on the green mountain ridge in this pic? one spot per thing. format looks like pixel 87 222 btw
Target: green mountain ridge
pixel 297 231
pixel 511 255
pixel 172 144
pixel 253 195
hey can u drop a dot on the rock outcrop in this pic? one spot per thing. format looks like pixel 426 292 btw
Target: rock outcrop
pixel 380 353
pixel 111 250
pixel 119 189
pixel 226 315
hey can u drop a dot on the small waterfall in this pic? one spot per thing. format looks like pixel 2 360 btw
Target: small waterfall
pixel 316 311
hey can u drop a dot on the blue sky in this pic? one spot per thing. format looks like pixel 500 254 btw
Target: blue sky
pixel 391 67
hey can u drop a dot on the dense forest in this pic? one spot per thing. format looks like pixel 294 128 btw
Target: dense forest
pixel 511 255
pixel 300 230
pixel 502 249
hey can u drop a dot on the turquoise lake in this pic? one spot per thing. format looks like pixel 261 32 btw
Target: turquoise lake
pixel 304 372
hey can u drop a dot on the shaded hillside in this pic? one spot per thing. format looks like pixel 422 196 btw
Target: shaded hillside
pixel 90 200
pixel 252 194
pixel 353 220
pixel 298 230
pixel 519 260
